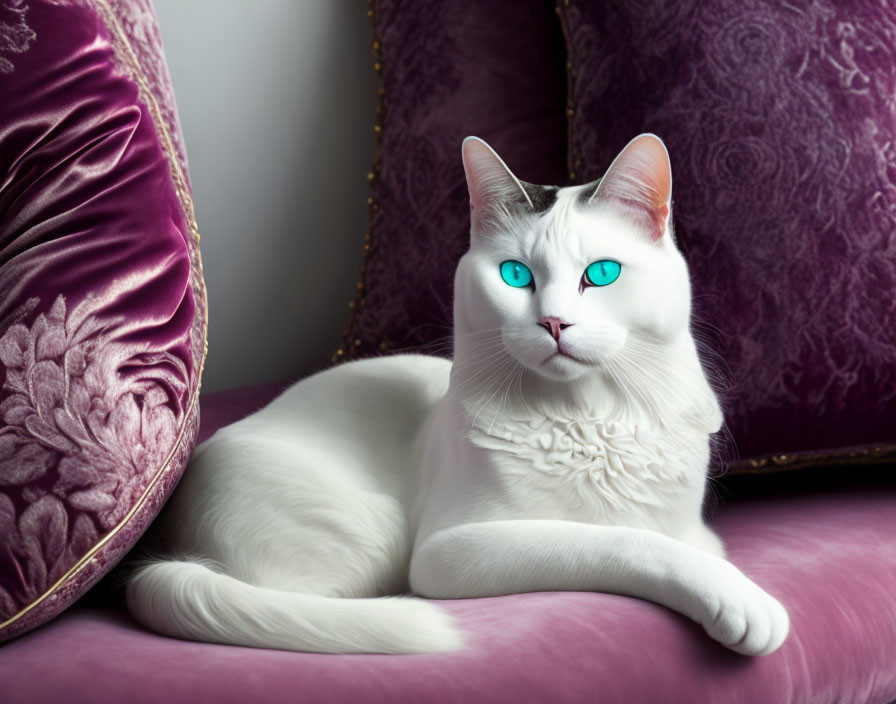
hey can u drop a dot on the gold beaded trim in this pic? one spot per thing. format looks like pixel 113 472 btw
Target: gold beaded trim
pixel 877 454
pixel 572 162
pixel 349 345
pixel 125 53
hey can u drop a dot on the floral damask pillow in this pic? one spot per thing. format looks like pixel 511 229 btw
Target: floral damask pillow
pixel 102 304
pixel 781 123
pixel 450 69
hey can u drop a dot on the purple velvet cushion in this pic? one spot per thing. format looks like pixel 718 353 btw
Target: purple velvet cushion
pixel 781 125
pixel 450 68
pixel 828 554
pixel 102 311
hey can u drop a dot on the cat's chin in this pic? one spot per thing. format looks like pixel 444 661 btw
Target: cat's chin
pixel 562 366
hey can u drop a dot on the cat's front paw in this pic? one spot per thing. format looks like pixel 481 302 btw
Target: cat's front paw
pixel 742 616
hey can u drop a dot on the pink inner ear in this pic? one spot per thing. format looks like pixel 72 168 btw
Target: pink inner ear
pixel 640 179
pixel 659 224
pixel 651 218
pixel 488 179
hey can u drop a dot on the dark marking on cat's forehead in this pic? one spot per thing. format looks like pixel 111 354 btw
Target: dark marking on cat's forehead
pixel 542 197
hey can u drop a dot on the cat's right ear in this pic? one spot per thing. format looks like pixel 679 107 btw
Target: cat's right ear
pixel 491 184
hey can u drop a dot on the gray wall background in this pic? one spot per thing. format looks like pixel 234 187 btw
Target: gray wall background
pixel 276 100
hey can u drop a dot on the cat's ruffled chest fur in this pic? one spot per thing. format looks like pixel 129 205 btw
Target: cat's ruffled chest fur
pixel 594 470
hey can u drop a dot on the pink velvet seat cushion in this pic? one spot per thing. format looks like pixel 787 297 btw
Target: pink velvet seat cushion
pixel 829 555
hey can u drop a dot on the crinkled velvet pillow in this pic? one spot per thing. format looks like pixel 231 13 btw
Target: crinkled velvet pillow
pixel 450 68
pixel 102 315
pixel 781 123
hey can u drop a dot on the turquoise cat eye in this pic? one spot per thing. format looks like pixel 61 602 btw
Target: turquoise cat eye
pixel 603 272
pixel 516 274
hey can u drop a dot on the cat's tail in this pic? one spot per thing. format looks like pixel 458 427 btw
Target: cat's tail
pixel 190 600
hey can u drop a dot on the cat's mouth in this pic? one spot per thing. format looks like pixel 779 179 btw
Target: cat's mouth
pixel 562 353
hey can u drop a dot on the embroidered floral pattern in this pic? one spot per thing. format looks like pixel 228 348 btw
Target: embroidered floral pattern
pixel 80 440
pixel 15 35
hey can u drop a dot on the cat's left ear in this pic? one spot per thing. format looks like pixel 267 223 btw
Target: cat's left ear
pixel 639 181
pixel 490 182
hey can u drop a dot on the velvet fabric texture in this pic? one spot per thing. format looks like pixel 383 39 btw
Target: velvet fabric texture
pixel 781 126
pixel 829 554
pixel 449 69
pixel 102 305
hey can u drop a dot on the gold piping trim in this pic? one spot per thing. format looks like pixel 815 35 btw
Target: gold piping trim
pixel 148 97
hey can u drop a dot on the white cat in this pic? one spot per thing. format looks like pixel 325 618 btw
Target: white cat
pixel 565 448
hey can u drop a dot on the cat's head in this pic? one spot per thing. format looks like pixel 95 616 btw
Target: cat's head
pixel 572 280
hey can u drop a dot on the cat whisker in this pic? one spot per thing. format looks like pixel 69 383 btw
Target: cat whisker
pixel 503 369
pixel 486 366
pixel 503 403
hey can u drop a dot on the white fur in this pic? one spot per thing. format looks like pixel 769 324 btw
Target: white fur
pixel 511 469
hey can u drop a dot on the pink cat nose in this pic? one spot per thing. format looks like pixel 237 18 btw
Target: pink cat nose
pixel 554 325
